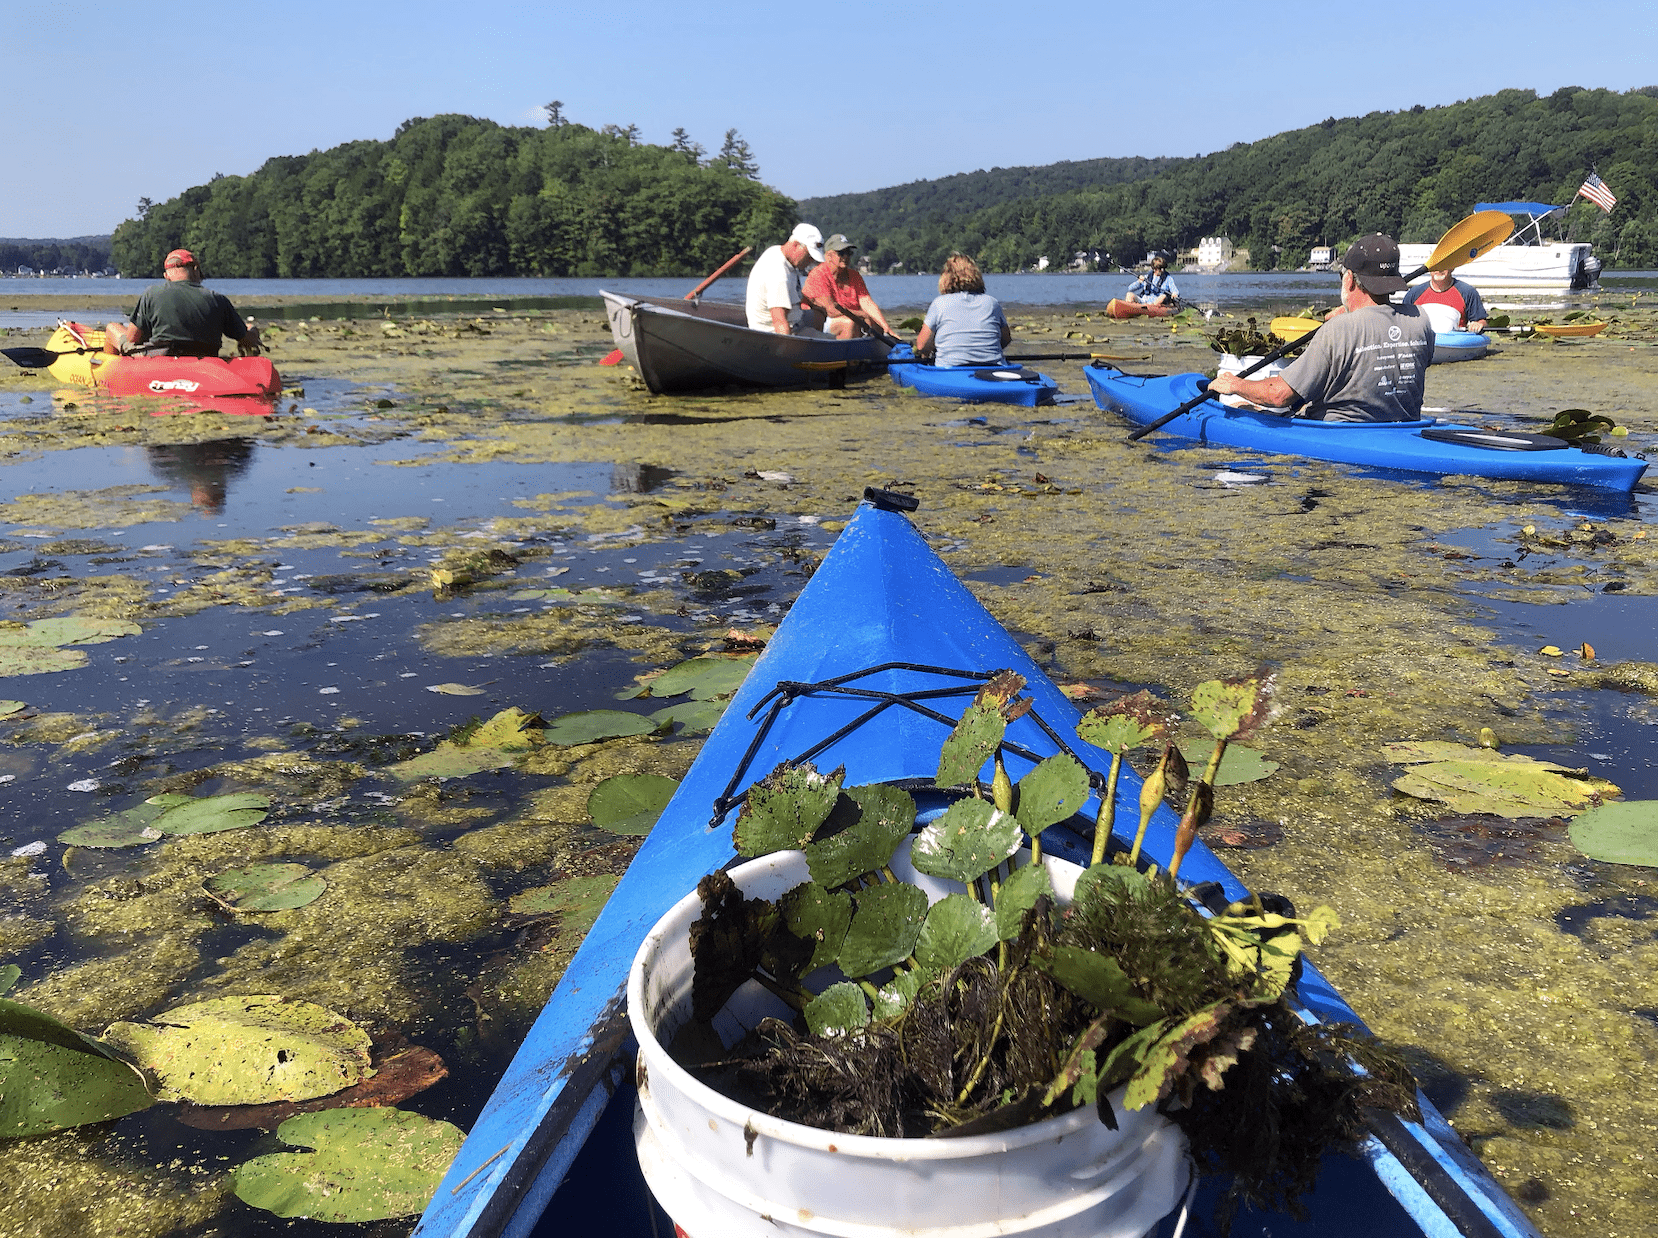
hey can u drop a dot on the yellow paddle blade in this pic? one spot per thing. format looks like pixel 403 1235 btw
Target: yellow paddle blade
pixel 1292 329
pixel 1469 239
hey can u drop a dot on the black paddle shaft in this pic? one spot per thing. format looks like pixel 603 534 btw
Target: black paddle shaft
pixel 1267 360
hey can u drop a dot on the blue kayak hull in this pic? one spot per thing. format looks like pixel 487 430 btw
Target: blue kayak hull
pixel 1381 445
pixel 880 599
pixel 974 384
pixel 1458 346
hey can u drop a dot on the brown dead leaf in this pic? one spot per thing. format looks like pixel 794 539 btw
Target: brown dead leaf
pixel 399 1076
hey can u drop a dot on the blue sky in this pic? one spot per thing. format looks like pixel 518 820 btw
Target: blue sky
pixel 832 98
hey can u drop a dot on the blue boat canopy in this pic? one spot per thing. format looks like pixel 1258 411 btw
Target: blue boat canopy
pixel 1536 210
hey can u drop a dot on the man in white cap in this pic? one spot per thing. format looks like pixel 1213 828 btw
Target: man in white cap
pixel 774 284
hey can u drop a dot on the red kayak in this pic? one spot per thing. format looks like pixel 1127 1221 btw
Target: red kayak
pixel 84 364
pixel 1133 309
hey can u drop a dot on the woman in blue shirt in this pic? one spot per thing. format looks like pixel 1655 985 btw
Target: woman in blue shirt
pixel 1154 289
pixel 964 323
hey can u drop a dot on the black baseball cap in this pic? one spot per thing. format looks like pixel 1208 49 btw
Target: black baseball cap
pixel 1374 261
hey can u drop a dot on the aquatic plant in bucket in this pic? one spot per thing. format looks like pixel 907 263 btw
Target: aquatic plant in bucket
pixel 900 1017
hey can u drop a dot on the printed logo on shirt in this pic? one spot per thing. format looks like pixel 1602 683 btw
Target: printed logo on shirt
pixel 1393 334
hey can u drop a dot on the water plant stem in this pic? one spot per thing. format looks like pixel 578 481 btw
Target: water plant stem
pixel 1106 818
pixel 1151 795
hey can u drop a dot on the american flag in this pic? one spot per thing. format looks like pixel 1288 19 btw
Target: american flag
pixel 1596 191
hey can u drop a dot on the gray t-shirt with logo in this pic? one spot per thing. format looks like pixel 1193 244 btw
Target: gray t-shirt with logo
pixel 1367 365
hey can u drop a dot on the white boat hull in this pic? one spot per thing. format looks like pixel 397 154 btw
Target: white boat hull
pixel 1556 266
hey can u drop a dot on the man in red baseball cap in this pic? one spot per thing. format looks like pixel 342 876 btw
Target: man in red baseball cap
pixel 180 318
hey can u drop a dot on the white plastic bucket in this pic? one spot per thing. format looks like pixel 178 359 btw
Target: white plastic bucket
pixel 1441 317
pixel 722 1170
pixel 1237 365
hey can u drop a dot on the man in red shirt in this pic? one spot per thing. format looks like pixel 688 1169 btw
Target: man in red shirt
pixel 1463 297
pixel 840 292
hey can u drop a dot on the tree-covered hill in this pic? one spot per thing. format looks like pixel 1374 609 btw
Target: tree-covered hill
pixel 454 195
pixel 1410 174
pixel 69 255
pixel 923 204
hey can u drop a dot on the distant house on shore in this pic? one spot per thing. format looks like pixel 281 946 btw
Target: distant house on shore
pixel 1322 258
pixel 1214 253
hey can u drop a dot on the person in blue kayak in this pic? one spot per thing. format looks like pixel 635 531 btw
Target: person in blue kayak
pixel 964 324
pixel 1443 289
pixel 1154 287
pixel 180 318
pixel 1367 362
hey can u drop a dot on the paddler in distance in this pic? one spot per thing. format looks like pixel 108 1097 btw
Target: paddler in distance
pixel 1155 287
pixel 839 291
pixel 1369 360
pixel 774 285
pixel 180 318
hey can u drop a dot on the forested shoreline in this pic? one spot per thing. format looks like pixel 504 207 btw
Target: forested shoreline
pixel 459 196
pixel 1411 174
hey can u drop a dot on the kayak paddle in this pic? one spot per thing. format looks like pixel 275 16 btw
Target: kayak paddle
pixel 1465 241
pixel 989 365
pixel 40 358
pixel 614 356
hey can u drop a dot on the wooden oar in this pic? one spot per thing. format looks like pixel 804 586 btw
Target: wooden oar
pixel 614 356
pixel 1466 241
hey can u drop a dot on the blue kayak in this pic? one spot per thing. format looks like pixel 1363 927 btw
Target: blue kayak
pixel 881 616
pixel 1458 346
pixel 1422 446
pixel 973 384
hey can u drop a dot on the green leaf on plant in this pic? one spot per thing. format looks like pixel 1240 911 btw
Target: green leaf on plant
pixel 1053 791
pixel 958 927
pixel 576 900
pixel 784 809
pixel 706 678
pixel 818 915
pixel 52 1077
pixel 592 725
pixel 837 1010
pixel 1099 979
pixel 1625 833
pixel 968 841
pixel 1125 723
pixel 630 803
pixel 9 975
pixel 1111 882
pixel 130 828
pixel 693 717
pixel 247 1050
pixel 215 813
pixel 365 1165
pixel 1017 896
pixel 970 744
pixel 1234 709
pixel 511 730
pixel 1168 1057
pixel 885 815
pixel 1238 765
pixel 896 995
pixel 886 922
pixel 265 887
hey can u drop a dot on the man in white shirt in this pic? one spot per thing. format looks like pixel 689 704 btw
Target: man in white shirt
pixel 774 284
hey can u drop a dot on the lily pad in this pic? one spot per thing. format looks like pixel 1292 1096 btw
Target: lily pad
pixel 958 927
pixel 1052 791
pixel 705 678
pixel 1125 723
pixel 693 717
pixel 970 839
pixel 818 915
pixel 1234 708
pixel 246 1050
pixel 837 1010
pixel 454 689
pixel 365 1165
pixel 9 975
pixel 577 900
pixel 630 803
pixel 1625 833
pixel 69 630
pixel 886 922
pixel 450 760
pixel 784 809
pixel 7 708
pixel 215 813
pixel 1474 780
pixel 31 661
pixel 130 828
pixel 1238 765
pixel 592 725
pixel 52 1077
pixel 265 887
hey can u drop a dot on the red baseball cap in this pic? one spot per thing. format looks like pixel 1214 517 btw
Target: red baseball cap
pixel 180 258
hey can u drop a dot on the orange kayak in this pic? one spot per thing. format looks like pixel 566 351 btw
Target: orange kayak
pixel 190 378
pixel 1566 330
pixel 1133 309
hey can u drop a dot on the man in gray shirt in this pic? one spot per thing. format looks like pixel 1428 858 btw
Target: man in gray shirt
pixel 1368 362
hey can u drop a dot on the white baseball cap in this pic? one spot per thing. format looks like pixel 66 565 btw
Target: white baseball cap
pixel 811 238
